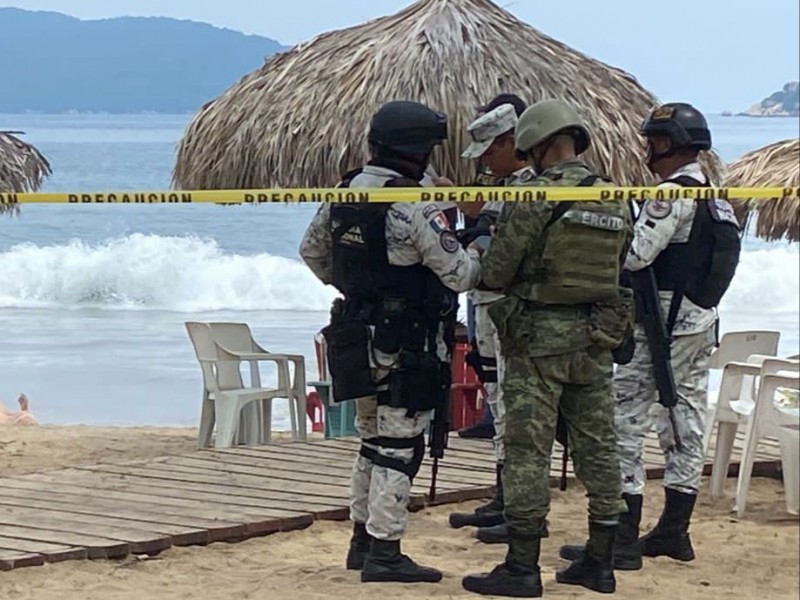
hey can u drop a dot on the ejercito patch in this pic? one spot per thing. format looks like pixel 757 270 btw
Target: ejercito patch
pixel 449 241
pixel 658 209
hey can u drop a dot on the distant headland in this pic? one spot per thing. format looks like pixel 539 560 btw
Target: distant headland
pixel 53 63
pixel 784 103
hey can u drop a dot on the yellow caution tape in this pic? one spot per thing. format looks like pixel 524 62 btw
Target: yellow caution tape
pixel 442 194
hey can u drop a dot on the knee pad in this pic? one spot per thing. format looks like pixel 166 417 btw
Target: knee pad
pixel 417 444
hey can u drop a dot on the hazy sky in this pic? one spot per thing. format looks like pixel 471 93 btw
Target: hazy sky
pixel 718 54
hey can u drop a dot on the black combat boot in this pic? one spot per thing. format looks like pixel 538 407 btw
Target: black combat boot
pixel 385 562
pixel 359 547
pixel 499 534
pixel 627 546
pixel 670 537
pixel 517 577
pixel 487 515
pixel 594 570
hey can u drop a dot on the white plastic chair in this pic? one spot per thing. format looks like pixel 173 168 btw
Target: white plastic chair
pixel 736 406
pixel 735 349
pixel 736 346
pixel 224 395
pixel 771 420
pixel 237 339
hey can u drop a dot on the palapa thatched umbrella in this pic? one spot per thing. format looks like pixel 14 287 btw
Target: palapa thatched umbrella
pixel 301 120
pixel 777 164
pixel 22 167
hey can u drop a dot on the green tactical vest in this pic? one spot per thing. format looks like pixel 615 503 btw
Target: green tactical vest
pixel 581 253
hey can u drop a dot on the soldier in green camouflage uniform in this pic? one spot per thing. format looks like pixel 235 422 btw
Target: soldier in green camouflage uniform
pixel 563 313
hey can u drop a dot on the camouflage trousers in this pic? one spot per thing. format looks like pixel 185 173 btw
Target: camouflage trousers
pixel 378 494
pixel 533 389
pixel 494 368
pixel 637 409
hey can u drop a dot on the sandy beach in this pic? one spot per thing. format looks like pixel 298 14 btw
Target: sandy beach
pixel 756 557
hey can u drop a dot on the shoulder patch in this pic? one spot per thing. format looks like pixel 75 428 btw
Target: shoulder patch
pixel 439 222
pixel 448 241
pixel 722 212
pixel 658 209
pixel 429 210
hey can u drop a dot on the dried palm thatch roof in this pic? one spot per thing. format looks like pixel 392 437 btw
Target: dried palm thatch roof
pixel 22 167
pixel 301 119
pixel 777 164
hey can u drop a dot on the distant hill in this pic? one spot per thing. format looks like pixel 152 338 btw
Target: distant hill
pixel 785 103
pixel 51 62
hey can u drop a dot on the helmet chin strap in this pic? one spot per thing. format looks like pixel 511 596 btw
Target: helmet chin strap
pixel 537 161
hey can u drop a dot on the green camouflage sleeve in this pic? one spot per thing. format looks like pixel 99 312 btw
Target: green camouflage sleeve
pixel 517 226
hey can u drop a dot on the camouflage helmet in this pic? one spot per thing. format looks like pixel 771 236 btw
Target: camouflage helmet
pixel 547 118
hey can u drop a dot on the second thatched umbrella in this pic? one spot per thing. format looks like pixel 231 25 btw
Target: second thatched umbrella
pixel 301 119
pixel 22 167
pixel 777 164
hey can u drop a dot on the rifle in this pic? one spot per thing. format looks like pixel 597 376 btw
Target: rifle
pixel 659 339
pixel 440 427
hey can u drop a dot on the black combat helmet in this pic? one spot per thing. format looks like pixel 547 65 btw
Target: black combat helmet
pixel 682 123
pixel 407 127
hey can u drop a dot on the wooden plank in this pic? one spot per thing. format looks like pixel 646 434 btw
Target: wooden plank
pixel 52 553
pixel 175 534
pixel 12 559
pixel 139 542
pixel 297 463
pixel 256 521
pixel 214 529
pixel 449 477
pixel 336 492
pixel 178 479
pixel 96 547
pixel 336 447
pixel 163 485
pixel 278 471
pixel 71 496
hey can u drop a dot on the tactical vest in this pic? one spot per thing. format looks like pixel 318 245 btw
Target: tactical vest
pixel 582 250
pixel 404 303
pixel 702 267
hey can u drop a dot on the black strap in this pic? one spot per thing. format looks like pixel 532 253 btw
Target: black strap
pixel 417 443
pixel 562 207
pixel 692 244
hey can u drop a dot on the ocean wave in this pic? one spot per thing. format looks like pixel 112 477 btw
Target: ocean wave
pixel 179 273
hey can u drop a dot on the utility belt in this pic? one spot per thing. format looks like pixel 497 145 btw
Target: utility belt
pixel 393 327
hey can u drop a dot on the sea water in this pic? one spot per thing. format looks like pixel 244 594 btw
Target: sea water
pixel 93 298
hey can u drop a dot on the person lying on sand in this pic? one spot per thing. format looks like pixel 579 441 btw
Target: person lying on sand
pixel 21 417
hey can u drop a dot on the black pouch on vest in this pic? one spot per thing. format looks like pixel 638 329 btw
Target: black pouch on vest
pixel 389 323
pixel 414 331
pixel 348 359
pixel 416 385
pixel 623 354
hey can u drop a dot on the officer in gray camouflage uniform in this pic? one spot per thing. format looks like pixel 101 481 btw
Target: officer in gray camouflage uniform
pixel 562 313
pixel 493 145
pixel 675 134
pixel 399 267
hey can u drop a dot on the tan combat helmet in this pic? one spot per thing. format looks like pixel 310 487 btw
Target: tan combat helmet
pixel 545 119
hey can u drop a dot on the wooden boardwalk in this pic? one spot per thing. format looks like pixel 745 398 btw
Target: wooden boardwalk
pixel 113 510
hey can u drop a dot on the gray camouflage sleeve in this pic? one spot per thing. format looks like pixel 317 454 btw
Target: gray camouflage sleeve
pixel 316 248
pixel 441 252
